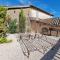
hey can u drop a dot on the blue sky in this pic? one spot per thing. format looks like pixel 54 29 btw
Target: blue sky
pixel 52 6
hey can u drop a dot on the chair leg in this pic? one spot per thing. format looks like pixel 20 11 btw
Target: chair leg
pixel 26 54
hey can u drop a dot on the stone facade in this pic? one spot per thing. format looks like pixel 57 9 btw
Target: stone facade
pixel 33 17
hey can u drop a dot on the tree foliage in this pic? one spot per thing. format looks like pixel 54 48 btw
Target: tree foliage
pixel 3 12
pixel 12 26
pixel 22 19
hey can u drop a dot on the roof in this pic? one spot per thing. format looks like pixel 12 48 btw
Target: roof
pixel 28 6
pixel 51 21
pixel 41 10
pixel 18 7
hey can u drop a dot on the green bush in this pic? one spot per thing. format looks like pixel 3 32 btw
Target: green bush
pixel 4 40
pixel 12 26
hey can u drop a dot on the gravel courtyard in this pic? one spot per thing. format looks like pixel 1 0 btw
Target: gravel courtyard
pixel 13 51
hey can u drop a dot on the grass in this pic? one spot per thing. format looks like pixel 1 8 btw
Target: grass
pixel 4 40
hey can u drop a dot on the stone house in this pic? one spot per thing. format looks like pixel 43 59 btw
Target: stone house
pixel 34 16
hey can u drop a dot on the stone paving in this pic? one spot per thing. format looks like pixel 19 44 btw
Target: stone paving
pixel 38 42
pixel 13 51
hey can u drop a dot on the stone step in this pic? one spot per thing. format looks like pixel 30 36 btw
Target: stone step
pixel 58 52
pixel 53 59
pixel 56 58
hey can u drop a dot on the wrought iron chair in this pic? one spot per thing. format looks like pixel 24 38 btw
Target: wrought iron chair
pixel 38 42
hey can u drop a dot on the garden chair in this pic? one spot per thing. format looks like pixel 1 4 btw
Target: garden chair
pixel 38 42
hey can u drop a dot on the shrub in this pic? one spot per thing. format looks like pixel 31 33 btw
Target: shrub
pixel 12 26
pixel 4 40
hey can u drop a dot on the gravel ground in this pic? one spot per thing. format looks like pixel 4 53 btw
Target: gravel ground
pixel 12 51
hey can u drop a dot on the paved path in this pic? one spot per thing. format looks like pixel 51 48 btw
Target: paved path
pixel 12 51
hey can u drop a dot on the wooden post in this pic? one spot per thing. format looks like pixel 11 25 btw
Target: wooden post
pixel 50 31
pixel 57 33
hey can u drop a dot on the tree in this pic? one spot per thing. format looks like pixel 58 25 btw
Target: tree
pixel 3 12
pixel 12 26
pixel 22 19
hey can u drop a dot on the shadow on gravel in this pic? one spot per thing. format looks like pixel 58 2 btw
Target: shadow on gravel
pixel 51 53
